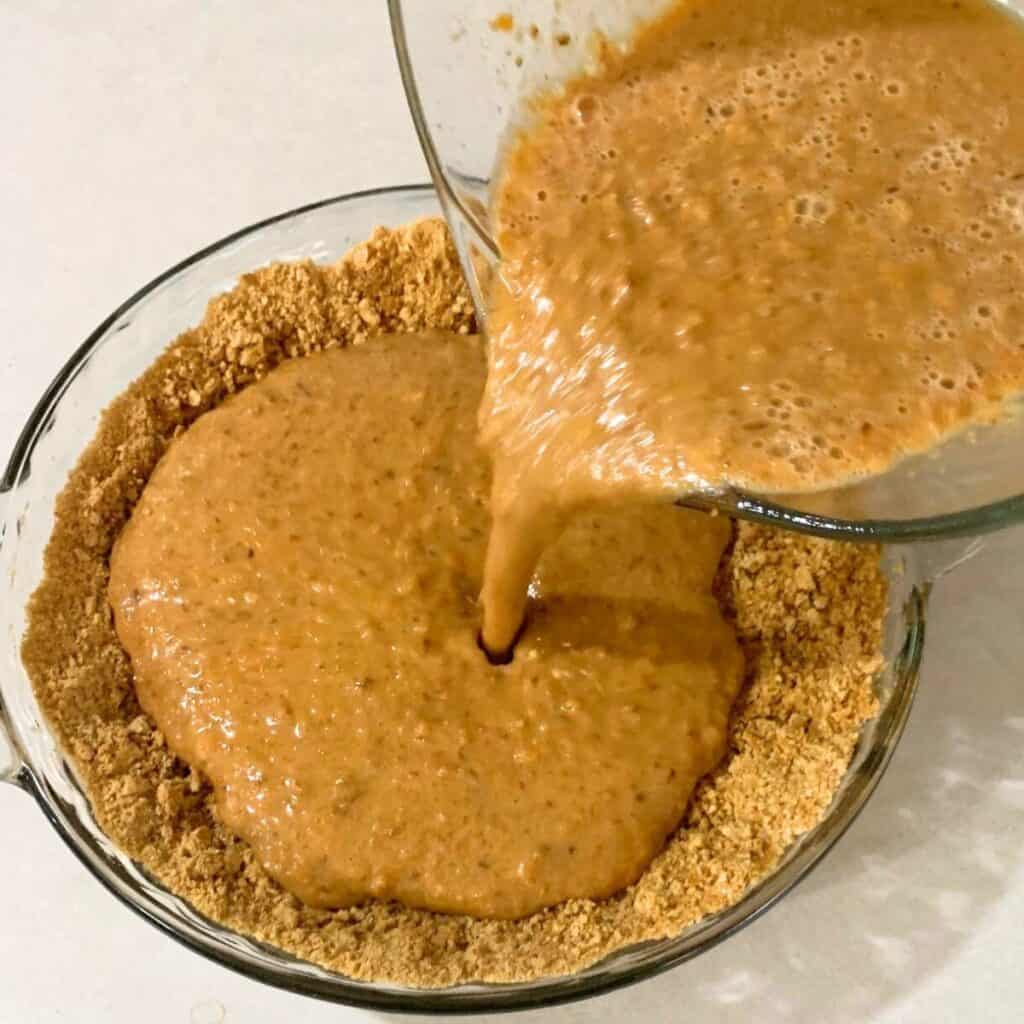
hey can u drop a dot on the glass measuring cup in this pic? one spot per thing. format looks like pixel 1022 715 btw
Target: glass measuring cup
pixel 466 68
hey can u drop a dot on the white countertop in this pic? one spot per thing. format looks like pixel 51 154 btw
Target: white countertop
pixel 134 133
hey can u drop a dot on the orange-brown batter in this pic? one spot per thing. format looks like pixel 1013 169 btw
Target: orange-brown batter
pixel 776 245
pixel 297 591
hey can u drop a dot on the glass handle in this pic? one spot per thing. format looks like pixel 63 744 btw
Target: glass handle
pixel 11 763
pixel 11 760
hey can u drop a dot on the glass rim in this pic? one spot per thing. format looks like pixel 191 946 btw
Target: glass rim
pixel 241 953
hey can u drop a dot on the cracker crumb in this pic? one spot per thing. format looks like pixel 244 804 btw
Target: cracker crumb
pixel 503 22
pixel 808 614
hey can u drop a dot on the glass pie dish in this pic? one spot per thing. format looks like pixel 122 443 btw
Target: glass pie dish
pixel 65 419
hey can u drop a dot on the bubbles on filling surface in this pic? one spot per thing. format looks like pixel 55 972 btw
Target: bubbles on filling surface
pixel 843 213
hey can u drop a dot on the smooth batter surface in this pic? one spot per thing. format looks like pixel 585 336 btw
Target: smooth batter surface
pixel 297 591
pixel 776 245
